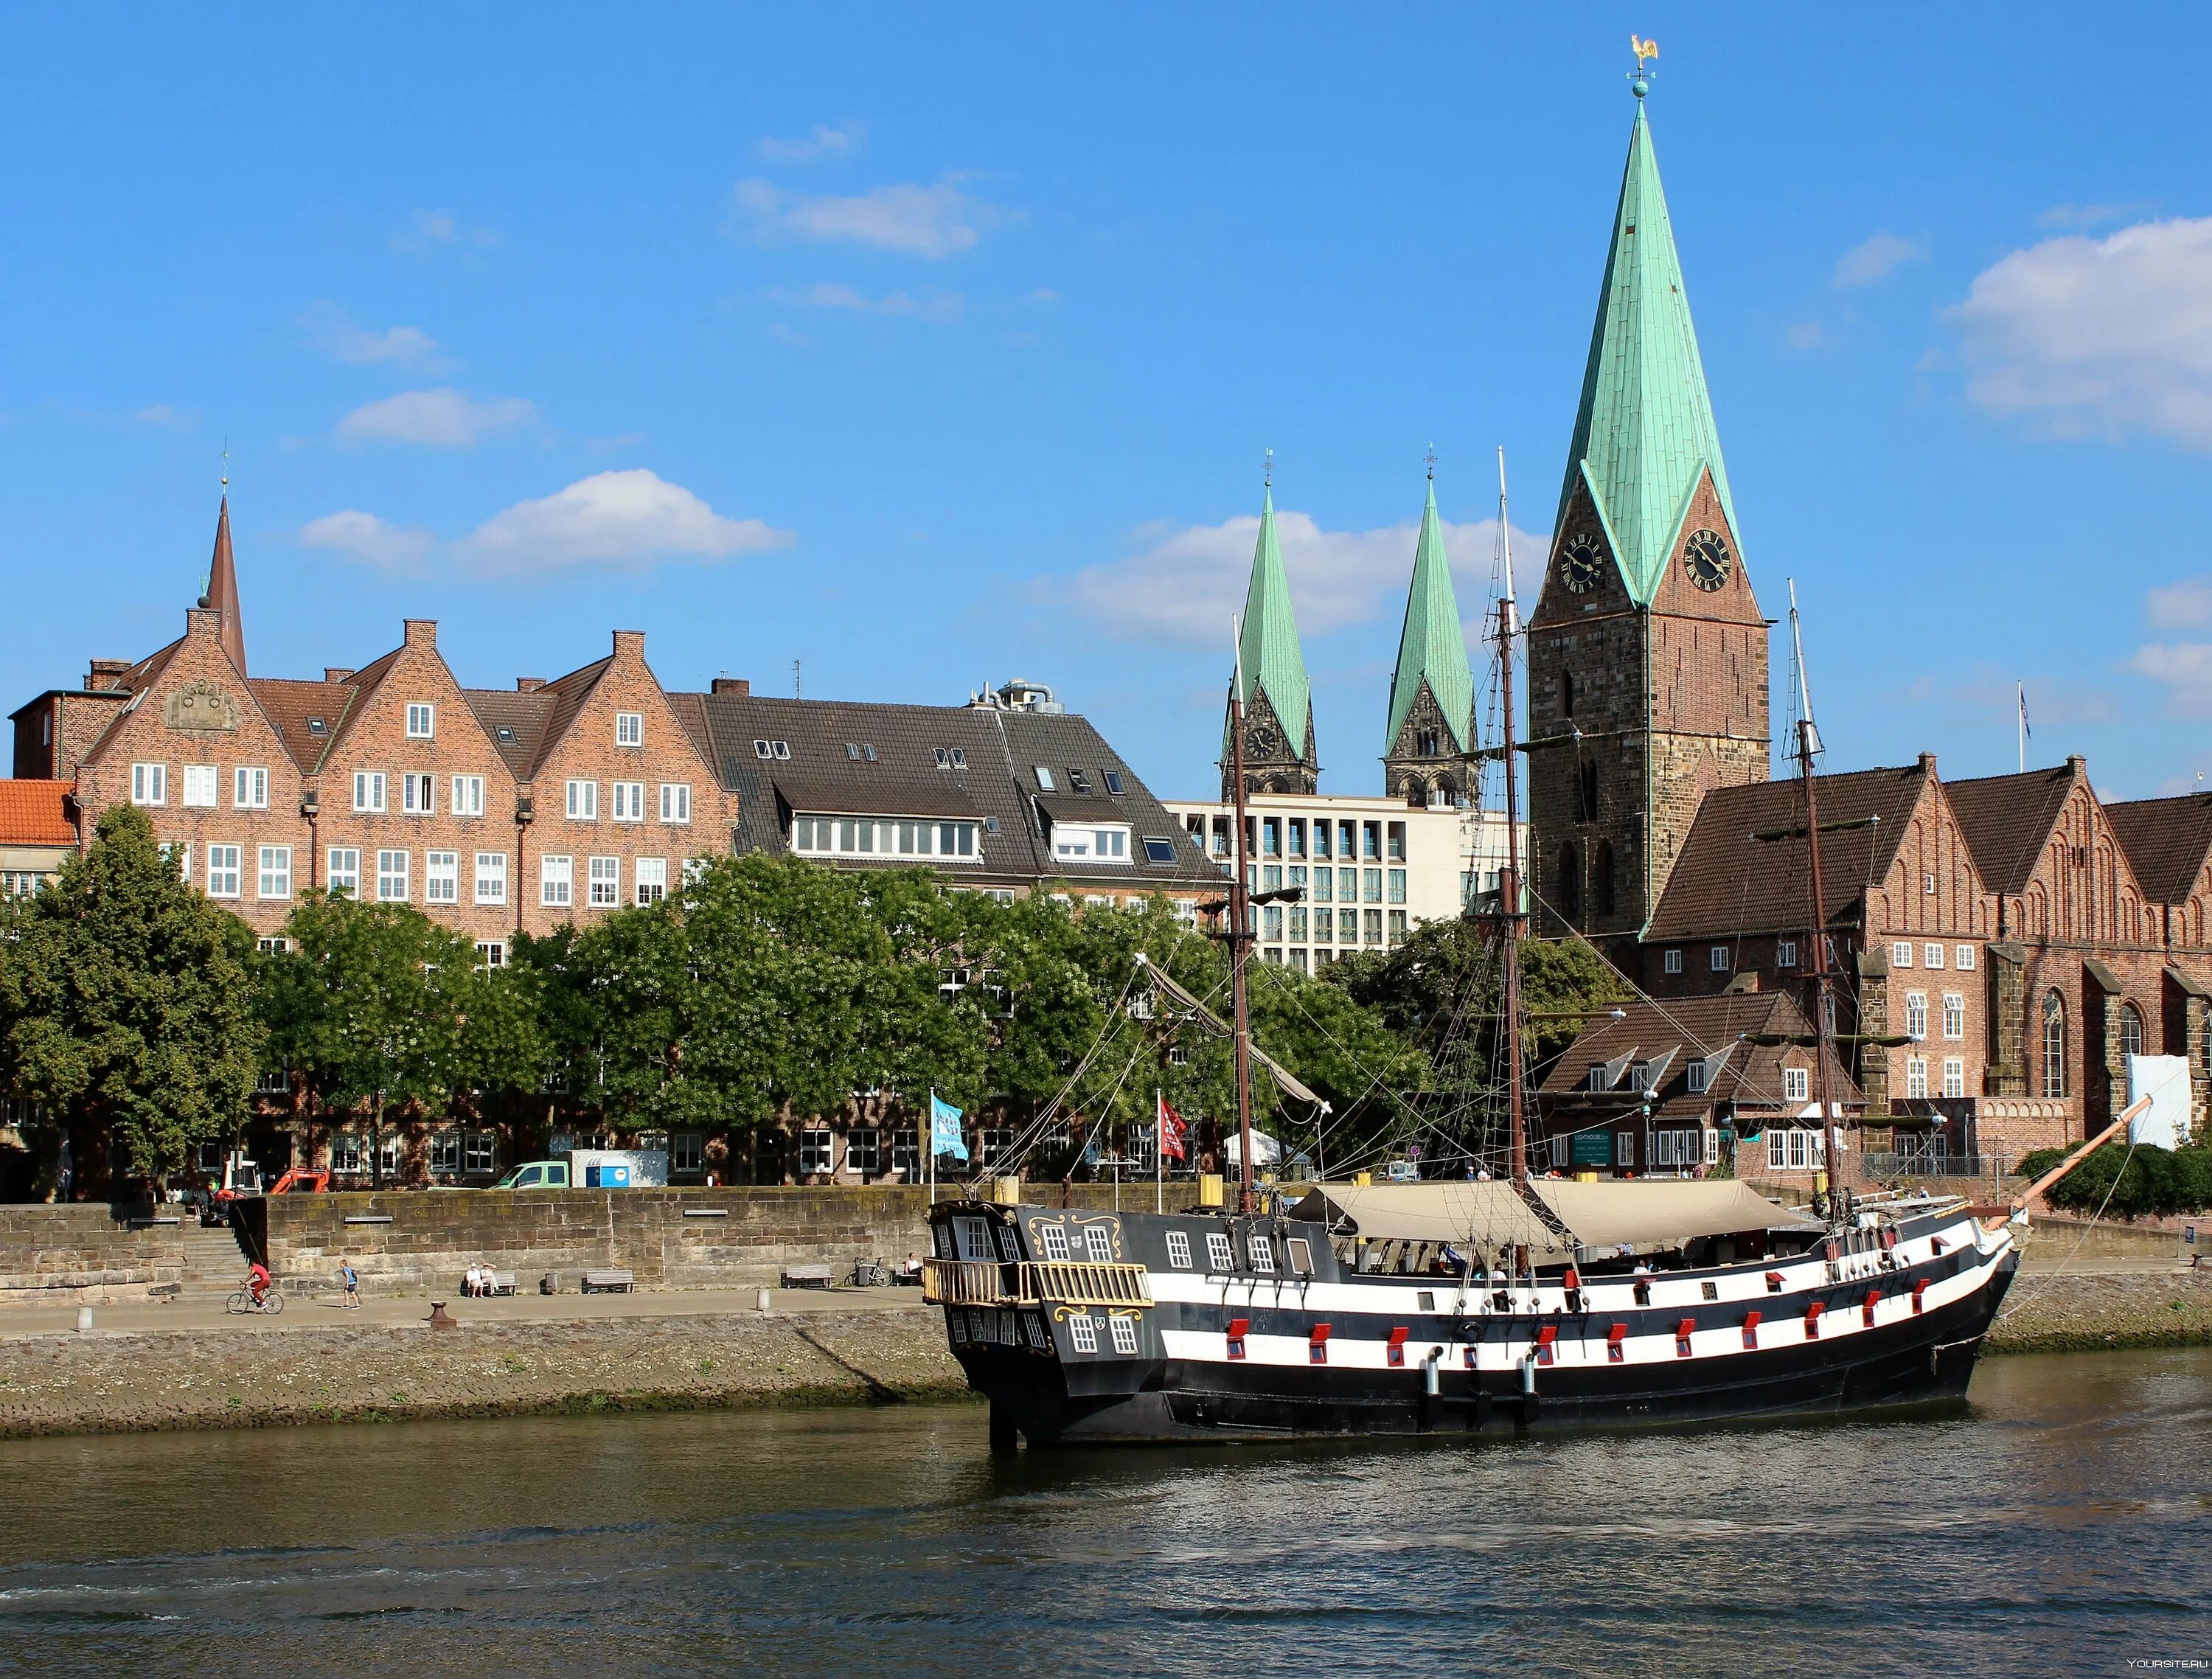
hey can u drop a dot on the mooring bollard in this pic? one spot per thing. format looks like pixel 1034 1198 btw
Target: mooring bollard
pixel 84 1319
pixel 439 1318
pixel 763 1301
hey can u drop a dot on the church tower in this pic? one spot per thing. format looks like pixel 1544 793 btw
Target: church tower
pixel 1647 650
pixel 1278 732
pixel 1428 744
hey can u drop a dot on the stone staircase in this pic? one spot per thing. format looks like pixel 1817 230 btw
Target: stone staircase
pixel 214 1263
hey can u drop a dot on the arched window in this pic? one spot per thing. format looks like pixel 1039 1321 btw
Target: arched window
pixel 1601 879
pixel 2131 1042
pixel 2054 1045
pixel 1570 885
pixel 1566 693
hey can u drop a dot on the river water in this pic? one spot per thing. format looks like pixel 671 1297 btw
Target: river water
pixel 2061 1522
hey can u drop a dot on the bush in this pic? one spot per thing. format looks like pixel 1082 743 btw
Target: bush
pixel 2154 1181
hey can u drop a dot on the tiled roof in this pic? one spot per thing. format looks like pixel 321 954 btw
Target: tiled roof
pixel 2166 840
pixel 290 706
pixel 691 711
pixel 516 723
pixel 870 795
pixel 1690 1027
pixel 2006 820
pixel 565 696
pixel 31 813
pixel 995 776
pixel 1725 882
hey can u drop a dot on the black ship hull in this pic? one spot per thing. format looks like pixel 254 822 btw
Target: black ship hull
pixel 1237 1360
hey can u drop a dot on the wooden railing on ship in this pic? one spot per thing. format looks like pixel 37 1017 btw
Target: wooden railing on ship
pixel 982 1282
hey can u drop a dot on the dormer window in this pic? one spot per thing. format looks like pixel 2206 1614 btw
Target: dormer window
pixel 421 722
pixel 630 728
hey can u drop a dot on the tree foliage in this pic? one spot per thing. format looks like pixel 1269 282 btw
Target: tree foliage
pixel 2155 1180
pixel 126 1001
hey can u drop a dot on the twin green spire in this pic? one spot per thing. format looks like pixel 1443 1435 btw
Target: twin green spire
pixel 1433 647
pixel 1268 656
pixel 1644 433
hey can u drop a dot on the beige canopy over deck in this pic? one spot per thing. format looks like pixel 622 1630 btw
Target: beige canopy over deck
pixel 1648 1213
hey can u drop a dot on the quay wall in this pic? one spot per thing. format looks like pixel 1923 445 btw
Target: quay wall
pixel 84 1252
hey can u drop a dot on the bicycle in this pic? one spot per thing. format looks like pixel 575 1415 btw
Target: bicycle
pixel 869 1274
pixel 271 1304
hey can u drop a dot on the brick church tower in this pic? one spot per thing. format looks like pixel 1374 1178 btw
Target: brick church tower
pixel 1278 732
pixel 1647 650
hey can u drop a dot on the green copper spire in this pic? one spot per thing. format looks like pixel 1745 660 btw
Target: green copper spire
pixel 1432 645
pixel 1644 433
pixel 1268 646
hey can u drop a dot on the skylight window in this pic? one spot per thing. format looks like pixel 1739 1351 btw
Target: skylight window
pixel 1077 782
pixel 1045 782
pixel 1158 851
pixel 782 748
pixel 853 750
pixel 1114 783
pixel 506 735
pixel 318 726
pixel 763 749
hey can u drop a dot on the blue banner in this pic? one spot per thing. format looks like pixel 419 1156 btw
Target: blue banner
pixel 944 1129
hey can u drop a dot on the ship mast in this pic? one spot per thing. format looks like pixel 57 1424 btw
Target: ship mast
pixel 1808 744
pixel 1240 936
pixel 1508 878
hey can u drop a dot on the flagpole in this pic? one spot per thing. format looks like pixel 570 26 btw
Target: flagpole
pixel 1159 1151
pixel 2023 728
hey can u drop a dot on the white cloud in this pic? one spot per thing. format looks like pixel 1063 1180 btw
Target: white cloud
pixel 1187 582
pixel 335 334
pixel 2079 216
pixel 1873 260
pixel 2098 337
pixel 429 229
pixel 824 142
pixel 2184 605
pixel 918 221
pixel 443 418
pixel 939 308
pixel 623 520
pixel 364 536
pixel 2184 669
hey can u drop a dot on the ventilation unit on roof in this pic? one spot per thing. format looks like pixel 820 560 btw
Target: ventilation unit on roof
pixel 1020 696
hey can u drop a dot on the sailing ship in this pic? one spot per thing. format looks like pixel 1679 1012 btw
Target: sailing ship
pixel 1511 1305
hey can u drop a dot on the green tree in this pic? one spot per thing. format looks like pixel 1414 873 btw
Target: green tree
pixel 125 1002
pixel 371 1006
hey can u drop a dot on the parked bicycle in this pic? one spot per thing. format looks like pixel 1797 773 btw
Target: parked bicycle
pixel 867 1274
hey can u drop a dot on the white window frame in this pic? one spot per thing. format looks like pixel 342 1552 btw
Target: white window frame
pixel 491 954
pixel 628 804
pixel 603 882
pixel 418 793
pixel 149 784
pixel 1720 959
pixel 369 791
pixel 1124 1331
pixel 226 870
pixel 1052 1237
pixel 199 786
pixel 1097 1244
pixel 817 1149
pixel 341 869
pixel 1220 1257
pixel 1962 959
pixel 421 721
pixel 1083 1332
pixel 1796 1084
pixel 1954 1077
pixel 1955 1016
pixel 556 882
pixel 491 877
pixel 1261 1252
pixel 630 728
pixel 1900 954
pixel 386 875
pixel 649 875
pixel 273 876
pixel 468 795
pixel 1179 1249
pixel 1916 1015
pixel 1785 952
pixel 583 802
pixel 1671 961
pixel 1915 1078
pixel 676 802
pixel 249 787
pixel 1694 1075
pixel 1931 956
pixel 442 877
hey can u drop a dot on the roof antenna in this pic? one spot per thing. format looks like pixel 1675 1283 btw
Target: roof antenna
pixel 1639 79
pixel 796 694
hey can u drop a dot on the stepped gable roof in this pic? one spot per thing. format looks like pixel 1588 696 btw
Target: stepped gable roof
pixel 1727 883
pixel 289 704
pixel 1644 434
pixel 2166 840
pixel 2008 819
pixel 1269 656
pixel 515 721
pixel 33 813
pixel 1432 645
pixel 1688 1028
pixel 1001 751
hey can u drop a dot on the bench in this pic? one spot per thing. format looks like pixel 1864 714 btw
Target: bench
pixel 502 1282
pixel 809 1276
pixel 609 1282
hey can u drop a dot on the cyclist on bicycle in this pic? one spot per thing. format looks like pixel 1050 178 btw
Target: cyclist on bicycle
pixel 258 1283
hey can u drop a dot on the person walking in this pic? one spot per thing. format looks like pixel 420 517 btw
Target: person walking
pixel 350 1280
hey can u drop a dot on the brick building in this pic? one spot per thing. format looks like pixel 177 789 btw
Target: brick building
pixel 2012 938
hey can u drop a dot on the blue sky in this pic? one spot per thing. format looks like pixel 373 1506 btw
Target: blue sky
pixel 931 347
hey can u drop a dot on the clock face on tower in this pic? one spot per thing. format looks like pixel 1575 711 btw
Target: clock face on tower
pixel 1705 557
pixel 1581 561
pixel 1263 740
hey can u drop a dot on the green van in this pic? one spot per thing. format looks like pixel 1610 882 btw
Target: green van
pixel 537 1175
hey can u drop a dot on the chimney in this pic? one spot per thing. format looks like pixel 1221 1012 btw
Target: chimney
pixel 105 673
pixel 422 632
pixel 741 686
pixel 528 684
pixel 201 621
pixel 2077 763
pixel 1928 765
pixel 629 644
pixel 338 673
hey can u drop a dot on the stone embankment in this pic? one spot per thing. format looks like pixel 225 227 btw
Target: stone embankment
pixel 148 1379
pixel 2062 1313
